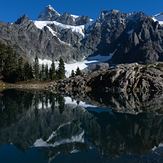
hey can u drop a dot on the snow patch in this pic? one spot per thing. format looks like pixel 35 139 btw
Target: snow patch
pixel 43 105
pixel 159 18
pixel 75 16
pixel 79 138
pixel 74 151
pixel 76 29
pixel 156 147
pixel 82 65
pixel 54 133
pixel 45 62
pixel 52 9
pixel 53 32
pixel 68 100
pixel 40 143
pixel 100 58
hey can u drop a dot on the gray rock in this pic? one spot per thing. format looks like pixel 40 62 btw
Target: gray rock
pixel 130 37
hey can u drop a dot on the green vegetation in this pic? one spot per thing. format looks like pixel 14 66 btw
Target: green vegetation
pixel 78 72
pixel 14 68
pixel 36 68
pixel 52 72
pixel 61 69
pixel 72 73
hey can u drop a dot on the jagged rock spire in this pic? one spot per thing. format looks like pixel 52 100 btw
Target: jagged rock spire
pixel 49 13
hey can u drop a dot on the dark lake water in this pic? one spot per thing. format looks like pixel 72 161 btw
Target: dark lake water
pixel 42 127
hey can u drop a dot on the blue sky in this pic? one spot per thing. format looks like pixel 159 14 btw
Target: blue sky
pixel 10 10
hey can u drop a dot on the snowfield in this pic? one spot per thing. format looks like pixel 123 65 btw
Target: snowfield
pixel 82 65
pixel 77 29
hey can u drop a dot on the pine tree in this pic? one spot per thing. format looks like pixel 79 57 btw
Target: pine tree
pixel 46 72
pixel 61 69
pixel 72 73
pixel 52 72
pixel 78 72
pixel 10 66
pixel 61 103
pixel 13 67
pixel 36 68
pixel 42 73
pixel 20 68
pixel 28 72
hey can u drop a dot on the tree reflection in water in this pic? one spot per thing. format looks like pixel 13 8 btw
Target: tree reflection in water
pixel 44 120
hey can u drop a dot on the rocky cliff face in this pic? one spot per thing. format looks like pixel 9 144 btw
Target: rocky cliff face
pixel 127 78
pixel 30 41
pixel 129 38
pixel 140 41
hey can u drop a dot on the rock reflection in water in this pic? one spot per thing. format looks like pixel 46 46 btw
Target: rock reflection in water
pixel 44 120
pixel 129 103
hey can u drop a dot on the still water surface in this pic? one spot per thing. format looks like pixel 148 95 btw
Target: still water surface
pixel 42 127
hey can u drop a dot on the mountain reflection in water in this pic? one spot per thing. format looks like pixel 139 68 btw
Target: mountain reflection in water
pixel 45 127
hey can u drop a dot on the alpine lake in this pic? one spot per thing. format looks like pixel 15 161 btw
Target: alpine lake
pixel 43 127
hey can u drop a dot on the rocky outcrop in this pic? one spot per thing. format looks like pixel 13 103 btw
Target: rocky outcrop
pixel 126 78
pixel 141 80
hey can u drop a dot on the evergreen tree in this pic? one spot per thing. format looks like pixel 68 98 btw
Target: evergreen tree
pixel 78 72
pixel 52 72
pixel 28 72
pixel 72 73
pixel 10 66
pixel 61 69
pixel 13 67
pixel 46 72
pixel 36 68
pixel 61 103
pixel 42 73
pixel 20 69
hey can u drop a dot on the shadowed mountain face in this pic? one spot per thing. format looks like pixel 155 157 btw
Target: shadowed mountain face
pixel 129 38
pixel 58 126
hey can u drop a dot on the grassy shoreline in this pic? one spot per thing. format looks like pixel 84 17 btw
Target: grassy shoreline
pixel 29 85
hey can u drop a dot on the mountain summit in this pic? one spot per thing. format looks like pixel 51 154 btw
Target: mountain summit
pixel 126 38
pixel 48 14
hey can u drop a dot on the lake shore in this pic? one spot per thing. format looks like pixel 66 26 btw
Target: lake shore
pixel 30 85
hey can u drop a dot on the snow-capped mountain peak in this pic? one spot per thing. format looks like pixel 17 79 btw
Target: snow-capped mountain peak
pixel 49 13
pixel 50 8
